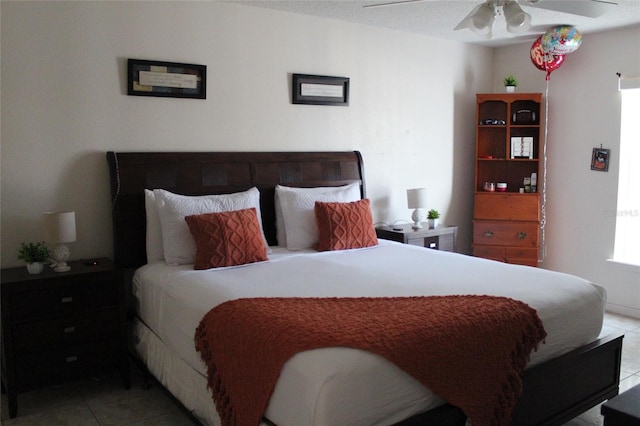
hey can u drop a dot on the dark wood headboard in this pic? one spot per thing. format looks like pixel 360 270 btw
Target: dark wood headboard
pixel 204 173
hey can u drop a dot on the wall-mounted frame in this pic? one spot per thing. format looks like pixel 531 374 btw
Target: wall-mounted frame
pixel 320 90
pixel 600 159
pixel 166 79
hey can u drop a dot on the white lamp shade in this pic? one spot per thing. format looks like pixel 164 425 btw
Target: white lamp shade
pixel 416 198
pixel 482 20
pixel 60 227
pixel 517 19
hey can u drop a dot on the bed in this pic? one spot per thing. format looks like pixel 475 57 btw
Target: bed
pixel 571 372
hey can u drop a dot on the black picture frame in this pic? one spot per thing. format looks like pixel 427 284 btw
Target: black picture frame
pixel 166 79
pixel 320 90
pixel 600 159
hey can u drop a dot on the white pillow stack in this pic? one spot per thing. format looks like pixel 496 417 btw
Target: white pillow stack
pixel 295 218
pixel 173 235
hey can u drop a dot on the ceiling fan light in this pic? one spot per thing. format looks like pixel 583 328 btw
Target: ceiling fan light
pixel 517 19
pixel 481 22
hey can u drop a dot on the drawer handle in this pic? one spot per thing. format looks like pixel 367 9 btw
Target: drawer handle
pixel 67 299
pixel 522 235
pixel 488 234
pixel 72 358
pixel 69 329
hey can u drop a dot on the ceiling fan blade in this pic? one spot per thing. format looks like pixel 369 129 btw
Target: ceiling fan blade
pixel 589 8
pixel 392 3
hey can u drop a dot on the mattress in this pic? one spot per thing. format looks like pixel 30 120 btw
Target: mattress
pixel 346 386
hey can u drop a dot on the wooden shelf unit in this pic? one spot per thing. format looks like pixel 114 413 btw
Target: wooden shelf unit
pixel 506 224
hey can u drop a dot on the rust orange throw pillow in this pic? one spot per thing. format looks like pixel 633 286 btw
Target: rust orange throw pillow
pixel 227 238
pixel 344 226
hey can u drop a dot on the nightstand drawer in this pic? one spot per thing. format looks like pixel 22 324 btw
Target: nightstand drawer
pixel 33 335
pixel 520 234
pixel 61 364
pixel 67 300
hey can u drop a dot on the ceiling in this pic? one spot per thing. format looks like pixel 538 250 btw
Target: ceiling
pixel 438 17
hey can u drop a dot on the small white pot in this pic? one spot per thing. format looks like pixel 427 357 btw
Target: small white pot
pixel 433 223
pixel 35 267
pixel 510 89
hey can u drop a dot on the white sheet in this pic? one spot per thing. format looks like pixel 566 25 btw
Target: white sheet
pixel 351 387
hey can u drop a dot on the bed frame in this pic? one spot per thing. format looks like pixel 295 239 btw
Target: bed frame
pixel 554 392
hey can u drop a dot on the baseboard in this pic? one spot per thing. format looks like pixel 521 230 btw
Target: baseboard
pixel 622 310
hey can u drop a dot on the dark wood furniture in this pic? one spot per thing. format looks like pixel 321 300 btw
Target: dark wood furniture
pixel 441 238
pixel 624 409
pixel 508 150
pixel 61 325
pixel 554 392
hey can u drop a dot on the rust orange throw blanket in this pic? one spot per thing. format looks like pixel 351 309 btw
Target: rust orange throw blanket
pixel 469 350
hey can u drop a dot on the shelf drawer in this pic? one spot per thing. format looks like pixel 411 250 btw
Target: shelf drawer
pixel 61 364
pixel 33 335
pixel 494 206
pixel 519 234
pixel 67 300
pixel 517 254
pixel 490 252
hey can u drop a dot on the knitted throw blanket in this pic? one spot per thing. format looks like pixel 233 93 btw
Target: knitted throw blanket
pixel 469 350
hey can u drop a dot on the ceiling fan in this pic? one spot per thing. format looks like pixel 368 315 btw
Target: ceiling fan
pixel 481 18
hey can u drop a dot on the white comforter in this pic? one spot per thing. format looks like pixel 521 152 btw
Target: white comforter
pixel 351 387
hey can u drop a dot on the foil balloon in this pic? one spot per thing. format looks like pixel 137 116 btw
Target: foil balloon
pixel 544 61
pixel 561 40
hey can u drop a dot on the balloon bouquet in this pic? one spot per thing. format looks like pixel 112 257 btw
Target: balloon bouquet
pixel 547 52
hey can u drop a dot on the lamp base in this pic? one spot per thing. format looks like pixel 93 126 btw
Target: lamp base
pixel 62 267
pixel 417 216
pixel 60 255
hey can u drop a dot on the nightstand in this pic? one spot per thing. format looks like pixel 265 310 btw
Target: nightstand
pixel 57 326
pixel 440 238
pixel 624 409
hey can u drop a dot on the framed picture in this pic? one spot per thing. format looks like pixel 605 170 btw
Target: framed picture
pixel 600 159
pixel 167 79
pixel 320 90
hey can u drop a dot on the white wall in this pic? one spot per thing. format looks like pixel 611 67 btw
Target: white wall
pixel 64 104
pixel 584 112
pixel 411 114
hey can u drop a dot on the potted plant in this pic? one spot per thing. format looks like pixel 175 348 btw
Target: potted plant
pixel 432 218
pixel 510 83
pixel 35 254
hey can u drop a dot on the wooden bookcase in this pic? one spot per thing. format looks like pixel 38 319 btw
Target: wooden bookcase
pixel 508 150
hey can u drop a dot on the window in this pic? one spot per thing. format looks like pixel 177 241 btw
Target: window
pixel 627 241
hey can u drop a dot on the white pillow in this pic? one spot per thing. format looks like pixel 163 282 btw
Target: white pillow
pixel 154 231
pixel 178 244
pixel 296 207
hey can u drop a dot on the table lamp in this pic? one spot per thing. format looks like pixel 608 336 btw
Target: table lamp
pixel 60 228
pixel 417 200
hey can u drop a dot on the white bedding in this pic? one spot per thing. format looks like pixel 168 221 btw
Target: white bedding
pixel 345 386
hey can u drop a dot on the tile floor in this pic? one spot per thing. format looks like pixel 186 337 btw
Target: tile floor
pixel 102 401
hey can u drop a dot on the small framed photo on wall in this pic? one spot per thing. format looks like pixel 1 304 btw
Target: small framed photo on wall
pixel 600 159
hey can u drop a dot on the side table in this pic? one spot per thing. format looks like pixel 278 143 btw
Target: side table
pixel 440 238
pixel 57 326
pixel 624 409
